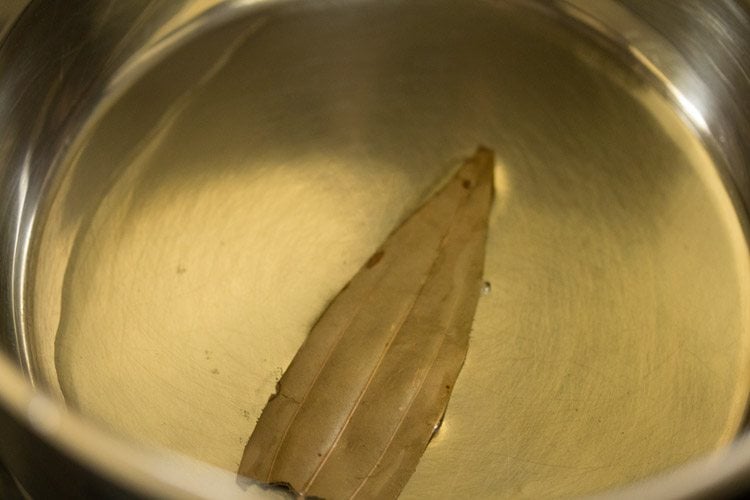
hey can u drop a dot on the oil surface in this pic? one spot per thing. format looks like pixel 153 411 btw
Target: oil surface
pixel 195 240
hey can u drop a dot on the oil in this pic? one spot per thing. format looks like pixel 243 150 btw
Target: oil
pixel 185 255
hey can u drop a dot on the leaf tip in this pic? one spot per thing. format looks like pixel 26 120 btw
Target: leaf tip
pixel 484 154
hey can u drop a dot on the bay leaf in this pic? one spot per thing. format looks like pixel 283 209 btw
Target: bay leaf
pixel 364 394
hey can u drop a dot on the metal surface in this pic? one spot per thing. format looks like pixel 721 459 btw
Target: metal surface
pixel 8 486
pixel 207 191
pixel 9 11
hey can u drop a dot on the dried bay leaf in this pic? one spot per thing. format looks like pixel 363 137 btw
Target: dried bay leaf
pixel 357 406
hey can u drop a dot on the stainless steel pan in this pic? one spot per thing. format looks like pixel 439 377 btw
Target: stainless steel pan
pixel 184 184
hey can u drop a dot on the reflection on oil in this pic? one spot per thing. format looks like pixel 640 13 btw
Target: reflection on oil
pixel 613 343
